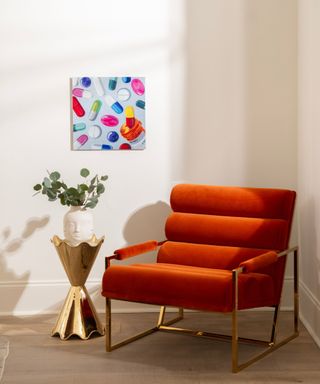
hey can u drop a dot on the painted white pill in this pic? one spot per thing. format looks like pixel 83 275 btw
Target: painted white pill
pixel 98 85
pixel 86 94
pixel 75 81
pixel 124 94
pixel 95 131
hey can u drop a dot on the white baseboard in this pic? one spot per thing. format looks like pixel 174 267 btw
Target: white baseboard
pixel 37 297
pixel 46 297
pixel 310 312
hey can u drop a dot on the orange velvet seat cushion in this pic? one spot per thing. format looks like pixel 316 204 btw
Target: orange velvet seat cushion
pixel 186 286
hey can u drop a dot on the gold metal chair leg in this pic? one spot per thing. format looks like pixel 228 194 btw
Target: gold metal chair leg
pixel 274 325
pixel 110 347
pixel 165 324
pixel 108 325
pixel 235 341
pixel 161 316
pixel 236 367
pixel 296 290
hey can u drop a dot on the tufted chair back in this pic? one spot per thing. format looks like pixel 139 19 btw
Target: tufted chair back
pixel 220 227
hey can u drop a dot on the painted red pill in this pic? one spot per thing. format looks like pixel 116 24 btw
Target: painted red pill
pixel 109 120
pixel 77 107
pixel 125 146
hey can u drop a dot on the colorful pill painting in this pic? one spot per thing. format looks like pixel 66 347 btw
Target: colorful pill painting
pixel 108 113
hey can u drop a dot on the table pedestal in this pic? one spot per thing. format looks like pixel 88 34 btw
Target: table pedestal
pixel 78 315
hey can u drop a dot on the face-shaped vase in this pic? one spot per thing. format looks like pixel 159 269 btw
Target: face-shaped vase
pixel 78 225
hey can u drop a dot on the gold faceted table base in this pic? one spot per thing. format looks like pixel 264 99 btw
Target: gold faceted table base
pixel 78 316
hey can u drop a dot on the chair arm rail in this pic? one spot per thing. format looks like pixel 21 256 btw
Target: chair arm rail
pixel 287 251
pixel 134 250
pixel 261 261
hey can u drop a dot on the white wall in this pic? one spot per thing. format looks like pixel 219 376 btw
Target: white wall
pixel 309 163
pixel 221 100
pixel 43 43
pixel 241 105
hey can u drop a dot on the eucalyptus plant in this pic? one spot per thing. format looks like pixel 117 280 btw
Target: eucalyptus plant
pixel 84 195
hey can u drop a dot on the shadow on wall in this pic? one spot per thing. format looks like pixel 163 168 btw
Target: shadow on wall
pixel 9 246
pixel 147 223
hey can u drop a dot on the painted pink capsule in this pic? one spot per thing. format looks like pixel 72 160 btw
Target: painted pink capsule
pixel 109 120
pixel 79 92
pixel 81 140
pixel 137 86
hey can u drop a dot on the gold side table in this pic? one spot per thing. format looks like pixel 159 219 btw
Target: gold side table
pixel 78 315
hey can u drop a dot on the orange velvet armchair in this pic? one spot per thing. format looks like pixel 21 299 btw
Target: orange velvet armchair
pixel 225 251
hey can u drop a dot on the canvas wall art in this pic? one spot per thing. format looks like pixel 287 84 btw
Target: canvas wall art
pixel 108 113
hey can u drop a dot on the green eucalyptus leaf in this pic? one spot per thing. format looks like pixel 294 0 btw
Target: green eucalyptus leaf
pixel 72 191
pixel 37 187
pixel 93 199
pixel 82 198
pixel 63 200
pixel 82 188
pixel 94 180
pixel 51 194
pixel 100 188
pixel 91 204
pixel 47 182
pixel 56 185
pixel 84 172
pixel 91 188
pixel 104 178
pixel 54 176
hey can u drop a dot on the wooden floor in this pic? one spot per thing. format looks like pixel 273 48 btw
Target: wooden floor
pixel 37 358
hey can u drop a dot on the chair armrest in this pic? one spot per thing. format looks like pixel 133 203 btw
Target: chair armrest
pixel 134 250
pixel 259 262
pixel 287 251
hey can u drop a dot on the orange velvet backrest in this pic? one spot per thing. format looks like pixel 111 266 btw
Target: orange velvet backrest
pixel 231 216
pixel 220 227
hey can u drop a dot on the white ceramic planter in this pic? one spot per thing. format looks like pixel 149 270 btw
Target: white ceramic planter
pixel 78 225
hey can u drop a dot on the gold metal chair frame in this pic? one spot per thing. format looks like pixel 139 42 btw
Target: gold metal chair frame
pixel 234 338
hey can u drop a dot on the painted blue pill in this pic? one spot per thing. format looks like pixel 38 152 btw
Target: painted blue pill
pixel 113 136
pixel 141 104
pixel 117 107
pixel 112 83
pixel 86 81
pixel 79 127
pixel 126 79
pixel 106 147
